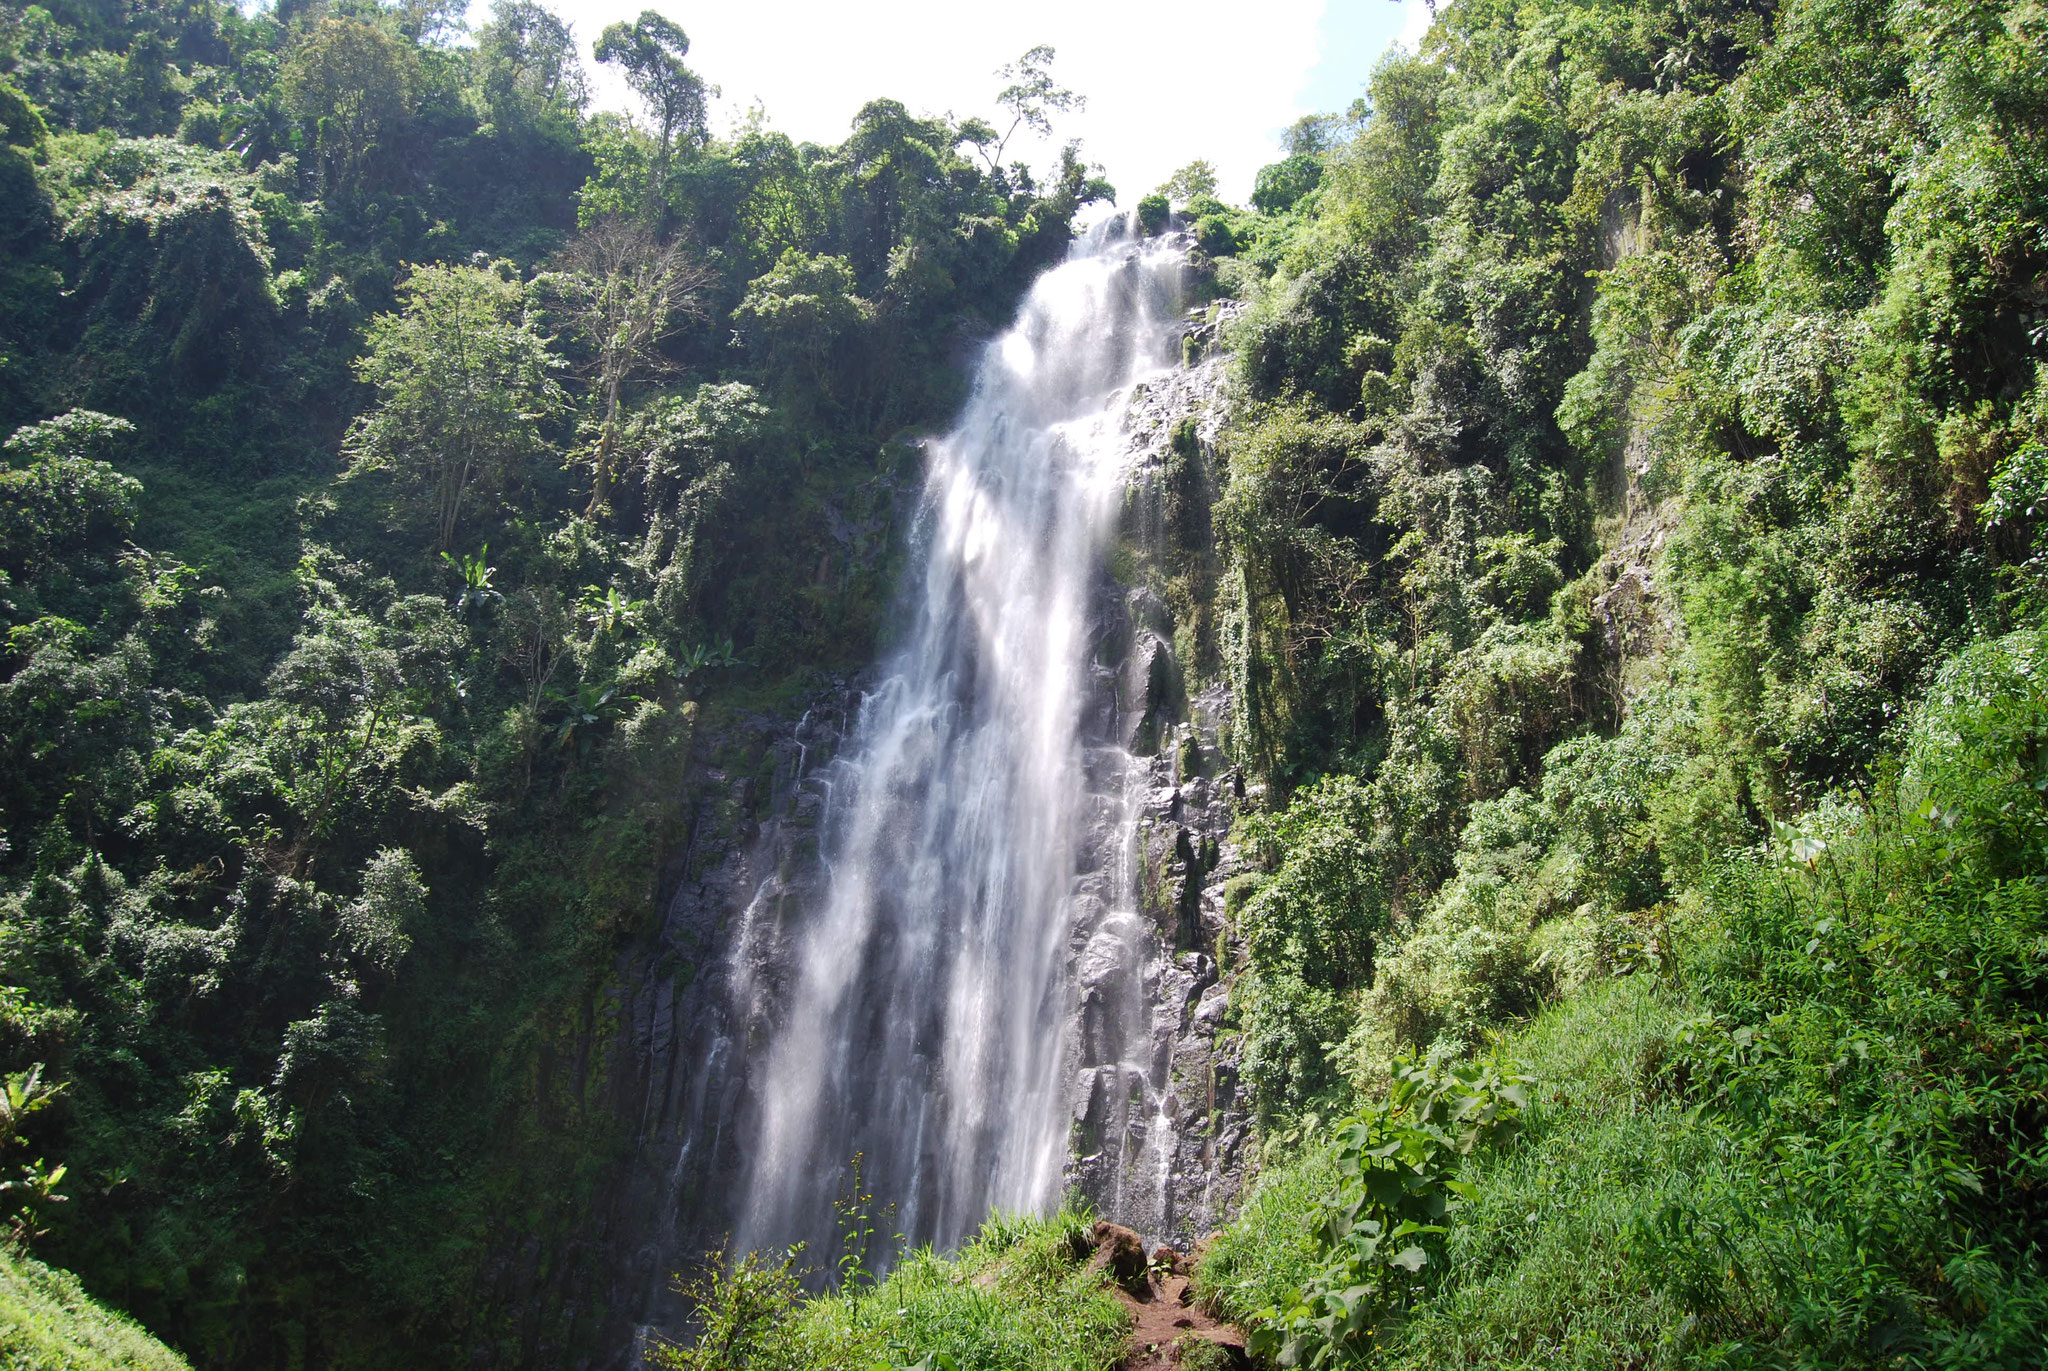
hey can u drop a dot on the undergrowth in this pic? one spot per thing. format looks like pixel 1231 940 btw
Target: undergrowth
pixel 49 1323
pixel 1016 1298
pixel 1815 1140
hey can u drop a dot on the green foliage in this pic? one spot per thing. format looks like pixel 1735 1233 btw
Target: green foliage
pixel 1272 1247
pixel 1809 1138
pixel 1195 181
pixel 1016 1298
pixel 1309 930
pixel 1281 186
pixel 526 68
pixel 1633 426
pixel 1153 212
pixel 744 1317
pixel 350 82
pixel 49 1323
pixel 321 847
pixel 1397 1189
pixel 651 50
pixel 1032 98
pixel 799 312
pixel 464 383
pixel 1637 409
pixel 20 122
pixel 1215 236
pixel 60 499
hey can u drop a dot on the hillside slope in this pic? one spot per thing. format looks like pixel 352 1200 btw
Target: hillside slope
pixel 48 1323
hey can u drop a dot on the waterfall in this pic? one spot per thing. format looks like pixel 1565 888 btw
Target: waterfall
pixel 921 1017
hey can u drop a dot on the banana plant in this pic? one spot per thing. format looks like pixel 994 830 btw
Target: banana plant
pixel 591 706
pixel 35 1188
pixel 607 609
pixel 701 656
pixel 22 1094
pixel 476 574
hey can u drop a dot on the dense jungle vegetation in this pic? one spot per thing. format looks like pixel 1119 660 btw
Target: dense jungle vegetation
pixel 1622 552
pixel 1626 564
pixel 402 455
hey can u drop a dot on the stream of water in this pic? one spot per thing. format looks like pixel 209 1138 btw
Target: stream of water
pixel 921 1022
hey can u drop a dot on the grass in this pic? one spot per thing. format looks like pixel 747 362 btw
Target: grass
pixel 49 1323
pixel 1817 1146
pixel 1016 1298
pixel 1019 1297
pixel 1817 1139
pixel 1546 1264
pixel 1542 1259
pixel 1269 1249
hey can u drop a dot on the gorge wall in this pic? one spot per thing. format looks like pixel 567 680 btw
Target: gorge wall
pixel 1121 864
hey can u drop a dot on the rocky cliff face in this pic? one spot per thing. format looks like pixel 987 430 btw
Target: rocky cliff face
pixel 1157 1130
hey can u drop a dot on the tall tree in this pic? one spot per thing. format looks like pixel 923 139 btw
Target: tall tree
pixel 351 82
pixel 1032 98
pixel 626 292
pixel 526 64
pixel 1196 179
pixel 651 49
pixel 463 384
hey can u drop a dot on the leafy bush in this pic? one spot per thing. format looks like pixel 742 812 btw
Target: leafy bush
pixel 1016 1298
pixel 1153 212
pixel 1309 929
pixel 1281 186
pixel 1215 236
pixel 1397 1187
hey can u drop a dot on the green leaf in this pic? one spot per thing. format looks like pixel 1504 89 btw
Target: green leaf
pixel 1409 1259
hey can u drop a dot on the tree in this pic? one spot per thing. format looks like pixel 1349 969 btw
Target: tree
pixel 1032 98
pixel 896 185
pixel 625 291
pixel 21 123
pixel 651 50
pixel 335 716
pixel 1280 186
pixel 63 499
pixel 463 385
pixel 1191 182
pixel 793 316
pixel 432 21
pixel 1314 133
pixel 351 82
pixel 526 64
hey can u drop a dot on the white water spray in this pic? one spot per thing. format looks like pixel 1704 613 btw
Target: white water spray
pixel 921 1027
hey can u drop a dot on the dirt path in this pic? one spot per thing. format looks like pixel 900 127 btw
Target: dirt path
pixel 1167 1335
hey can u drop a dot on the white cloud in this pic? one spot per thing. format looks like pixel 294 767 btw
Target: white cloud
pixel 1164 84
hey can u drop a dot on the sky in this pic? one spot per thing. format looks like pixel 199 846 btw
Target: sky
pixel 1164 84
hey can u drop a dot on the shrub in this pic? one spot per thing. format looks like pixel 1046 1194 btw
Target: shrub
pixel 1281 186
pixel 1214 235
pixel 1153 213
pixel 1397 1185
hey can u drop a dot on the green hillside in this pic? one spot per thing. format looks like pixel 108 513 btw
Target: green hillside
pixel 47 1323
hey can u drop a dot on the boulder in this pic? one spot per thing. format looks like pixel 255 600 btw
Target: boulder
pixel 1120 1253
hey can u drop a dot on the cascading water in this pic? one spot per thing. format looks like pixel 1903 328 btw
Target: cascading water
pixel 921 1022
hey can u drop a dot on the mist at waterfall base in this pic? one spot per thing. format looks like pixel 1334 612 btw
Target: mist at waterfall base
pixel 921 1025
